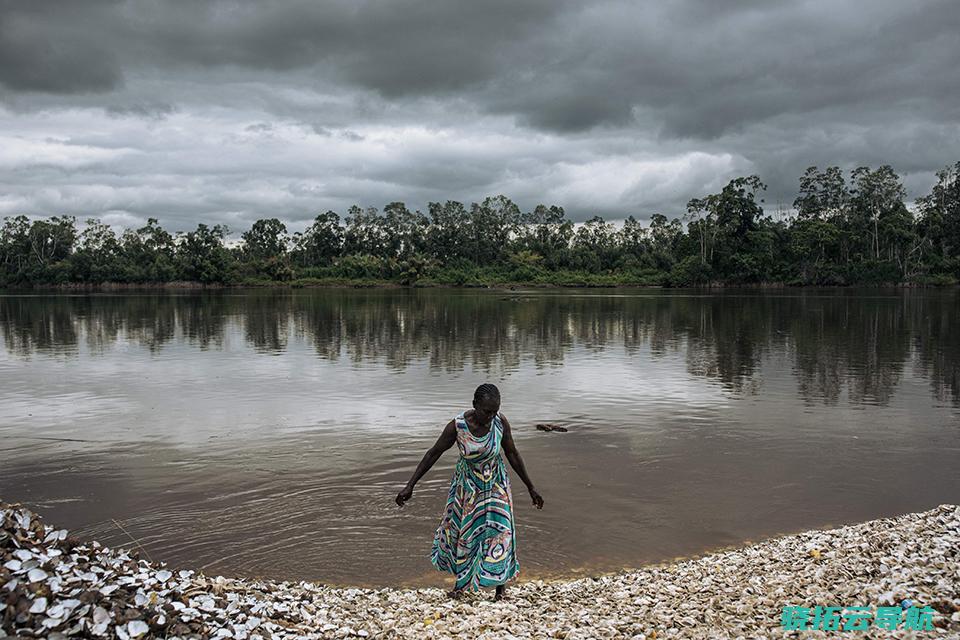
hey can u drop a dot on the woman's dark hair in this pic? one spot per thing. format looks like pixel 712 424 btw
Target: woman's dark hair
pixel 486 390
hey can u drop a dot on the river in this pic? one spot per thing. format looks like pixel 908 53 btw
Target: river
pixel 266 432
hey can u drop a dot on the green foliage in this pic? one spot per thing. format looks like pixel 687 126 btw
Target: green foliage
pixel 320 244
pixel 689 272
pixel 266 240
pixel 939 223
pixel 938 280
pixel 202 256
pixel 361 266
pixel 149 254
pixel 526 265
pixel 414 267
pixel 98 257
pixel 876 272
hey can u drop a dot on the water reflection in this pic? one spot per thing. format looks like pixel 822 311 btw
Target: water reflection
pixel 836 340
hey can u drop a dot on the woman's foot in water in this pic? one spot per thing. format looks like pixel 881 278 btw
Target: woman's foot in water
pixel 499 593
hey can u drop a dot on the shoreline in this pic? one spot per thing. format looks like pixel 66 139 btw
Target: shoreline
pixel 385 284
pixel 57 586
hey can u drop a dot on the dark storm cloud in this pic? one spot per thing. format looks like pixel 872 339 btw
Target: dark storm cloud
pixel 598 104
pixel 397 48
pixel 701 67
pixel 43 47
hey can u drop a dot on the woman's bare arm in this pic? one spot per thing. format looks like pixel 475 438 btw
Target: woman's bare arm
pixel 446 440
pixel 510 449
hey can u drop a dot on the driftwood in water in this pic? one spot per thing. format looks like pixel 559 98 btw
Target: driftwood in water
pixel 550 427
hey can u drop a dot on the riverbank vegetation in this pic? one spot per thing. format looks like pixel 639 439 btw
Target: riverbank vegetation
pixel 841 230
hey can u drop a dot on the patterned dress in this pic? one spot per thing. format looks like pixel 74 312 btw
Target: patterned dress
pixel 476 538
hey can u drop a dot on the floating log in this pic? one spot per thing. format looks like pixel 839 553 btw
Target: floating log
pixel 546 426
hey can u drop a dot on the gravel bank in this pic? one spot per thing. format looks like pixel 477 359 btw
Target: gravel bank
pixel 54 586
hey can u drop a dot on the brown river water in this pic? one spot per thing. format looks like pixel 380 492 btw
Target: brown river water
pixel 266 432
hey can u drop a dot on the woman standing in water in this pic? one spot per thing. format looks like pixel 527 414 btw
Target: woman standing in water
pixel 476 539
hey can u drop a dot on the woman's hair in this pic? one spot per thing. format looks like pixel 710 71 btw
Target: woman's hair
pixel 486 390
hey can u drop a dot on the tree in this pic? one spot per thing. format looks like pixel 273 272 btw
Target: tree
pixel 737 213
pixel 939 223
pixel 492 224
pixel 546 232
pixel 15 249
pixel 823 195
pixel 321 243
pixel 728 226
pixel 447 233
pixel 36 251
pixel 736 207
pixel 202 256
pixel 364 234
pixel 633 241
pixel 702 224
pixel 875 195
pixel 811 241
pixel 820 236
pixel 594 245
pixel 666 237
pixel 266 240
pixel 404 230
pixel 97 258
pixel 149 253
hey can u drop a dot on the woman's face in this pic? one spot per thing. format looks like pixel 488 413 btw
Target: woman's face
pixel 486 409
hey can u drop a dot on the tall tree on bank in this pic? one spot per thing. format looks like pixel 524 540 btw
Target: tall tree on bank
pixel 405 231
pixel 202 256
pixel 939 223
pixel 447 238
pixel 595 246
pixel 264 250
pixel 321 243
pixel 266 240
pixel 492 225
pixel 702 224
pixel 820 241
pixel 546 232
pixel 36 251
pixel 875 197
pixel 149 253
pixel 98 254
pixel 634 242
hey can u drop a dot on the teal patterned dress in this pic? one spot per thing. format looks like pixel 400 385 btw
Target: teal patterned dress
pixel 476 539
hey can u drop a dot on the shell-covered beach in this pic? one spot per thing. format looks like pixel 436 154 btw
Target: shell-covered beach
pixel 55 586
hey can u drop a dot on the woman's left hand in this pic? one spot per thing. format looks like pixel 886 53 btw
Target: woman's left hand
pixel 405 494
pixel 537 499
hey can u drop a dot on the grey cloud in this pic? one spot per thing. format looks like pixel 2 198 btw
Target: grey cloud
pixel 320 130
pixel 154 111
pixel 287 107
pixel 704 67
pixel 45 47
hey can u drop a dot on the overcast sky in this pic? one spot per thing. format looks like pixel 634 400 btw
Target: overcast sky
pixel 225 112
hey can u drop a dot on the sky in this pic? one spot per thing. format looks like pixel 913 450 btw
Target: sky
pixel 226 112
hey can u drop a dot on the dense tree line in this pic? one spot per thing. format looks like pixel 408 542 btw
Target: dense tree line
pixel 846 230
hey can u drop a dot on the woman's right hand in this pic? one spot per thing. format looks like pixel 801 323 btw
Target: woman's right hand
pixel 405 494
